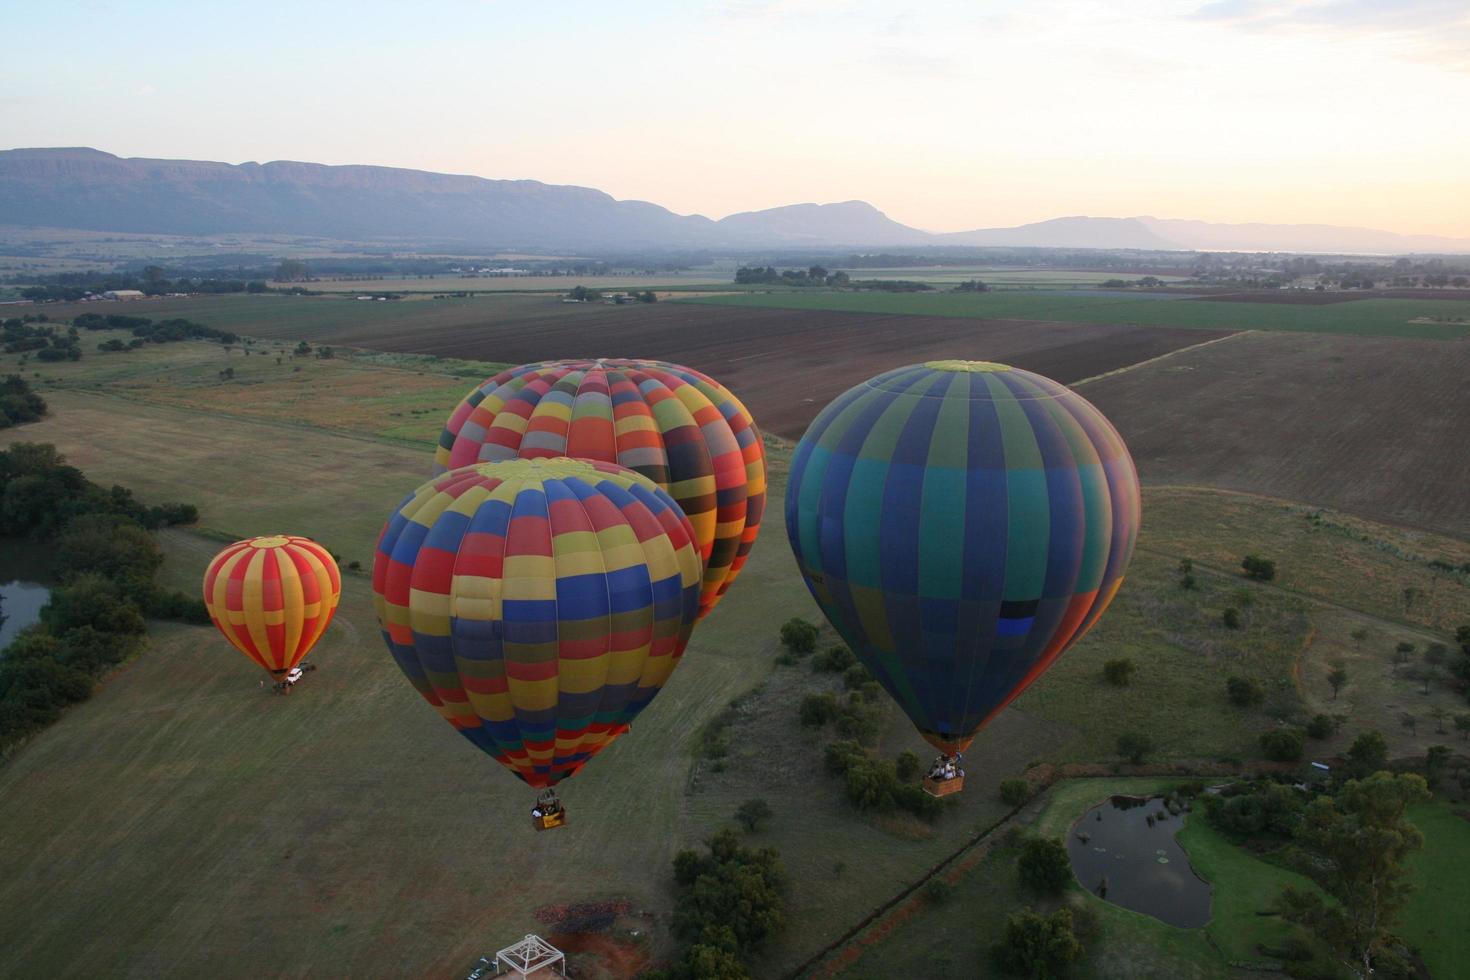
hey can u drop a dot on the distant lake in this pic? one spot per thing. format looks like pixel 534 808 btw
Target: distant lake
pixel 22 564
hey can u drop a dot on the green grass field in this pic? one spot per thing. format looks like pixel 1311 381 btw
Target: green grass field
pixel 183 818
pixel 1375 317
pixel 1434 919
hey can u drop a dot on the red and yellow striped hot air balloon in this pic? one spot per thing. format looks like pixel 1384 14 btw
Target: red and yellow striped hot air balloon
pixel 272 597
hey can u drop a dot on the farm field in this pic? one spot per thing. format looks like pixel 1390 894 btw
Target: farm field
pixel 1371 426
pixel 1372 317
pixel 1008 278
pixel 754 352
pixel 452 283
pixel 277 810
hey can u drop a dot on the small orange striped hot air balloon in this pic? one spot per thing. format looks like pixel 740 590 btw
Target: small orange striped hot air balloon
pixel 272 598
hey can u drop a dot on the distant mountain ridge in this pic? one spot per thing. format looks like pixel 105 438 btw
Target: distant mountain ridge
pixel 85 189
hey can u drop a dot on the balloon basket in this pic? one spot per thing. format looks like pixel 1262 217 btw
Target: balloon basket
pixel 548 813
pixel 943 787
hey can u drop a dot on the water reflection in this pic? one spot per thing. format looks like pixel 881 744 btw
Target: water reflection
pixel 20 606
pixel 1126 852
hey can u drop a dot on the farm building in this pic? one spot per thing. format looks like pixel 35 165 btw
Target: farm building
pixel 123 294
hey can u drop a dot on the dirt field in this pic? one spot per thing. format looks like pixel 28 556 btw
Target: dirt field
pixel 1371 426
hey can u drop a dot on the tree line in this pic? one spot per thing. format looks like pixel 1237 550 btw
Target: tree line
pixel 104 559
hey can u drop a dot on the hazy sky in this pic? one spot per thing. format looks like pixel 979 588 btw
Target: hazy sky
pixel 946 115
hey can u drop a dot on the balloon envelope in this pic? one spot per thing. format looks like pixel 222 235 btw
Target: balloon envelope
pixel 961 523
pixel 679 428
pixel 539 604
pixel 272 597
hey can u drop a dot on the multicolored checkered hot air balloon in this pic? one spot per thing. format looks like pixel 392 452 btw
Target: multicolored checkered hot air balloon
pixel 677 427
pixel 273 597
pixel 961 524
pixel 538 604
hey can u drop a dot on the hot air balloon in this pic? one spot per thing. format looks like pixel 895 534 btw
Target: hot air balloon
pixel 677 427
pixel 539 605
pixel 961 524
pixel 272 597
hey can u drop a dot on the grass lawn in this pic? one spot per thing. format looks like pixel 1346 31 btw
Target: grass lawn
pixel 1244 887
pixel 1434 919
pixel 1374 317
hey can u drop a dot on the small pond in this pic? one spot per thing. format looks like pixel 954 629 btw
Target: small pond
pixel 1125 851
pixel 21 596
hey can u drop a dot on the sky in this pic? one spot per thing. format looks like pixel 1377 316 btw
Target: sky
pixel 946 115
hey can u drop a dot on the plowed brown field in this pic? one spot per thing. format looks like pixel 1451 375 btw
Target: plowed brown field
pixel 1373 426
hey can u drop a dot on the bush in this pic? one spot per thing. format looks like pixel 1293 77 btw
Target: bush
pixel 753 813
pixel 1256 810
pixel 1119 671
pixel 1037 946
pixel 1231 618
pixel 1261 569
pixel 840 756
pixel 906 766
pixel 1134 746
pixel 855 676
pixel 798 635
pixel 1044 865
pixel 1321 726
pixel 109 545
pixel 1014 791
pixel 938 891
pixel 1282 745
pixel 857 722
pixel 834 660
pixel 818 709
pixel 91 600
pixel 1368 753
pixel 730 899
pixel 1244 692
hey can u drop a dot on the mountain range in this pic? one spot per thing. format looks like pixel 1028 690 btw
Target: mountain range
pixel 86 189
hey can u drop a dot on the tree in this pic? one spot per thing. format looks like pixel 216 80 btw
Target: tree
pixel 817 709
pixel 1462 637
pixel 1038 946
pixel 291 270
pixel 648 296
pixel 906 766
pixel 1410 722
pixel 1401 654
pixel 798 635
pixel 1320 727
pixel 1256 567
pixel 730 888
pixel 1134 746
pixel 1044 865
pixel 1411 595
pixel 1368 752
pixel 1462 725
pixel 1435 654
pixel 1439 715
pixel 753 813
pixel 1186 573
pixel 1338 678
pixel 1244 692
pixel 1119 671
pixel 1282 745
pixel 1014 791
pixel 1231 618
pixel 1357 842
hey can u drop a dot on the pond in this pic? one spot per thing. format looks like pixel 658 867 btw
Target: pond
pixel 21 596
pixel 1125 852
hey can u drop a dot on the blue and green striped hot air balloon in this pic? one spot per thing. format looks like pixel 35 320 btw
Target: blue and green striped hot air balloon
pixel 961 524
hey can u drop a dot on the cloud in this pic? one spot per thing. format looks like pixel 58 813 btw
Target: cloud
pixel 146 89
pixel 1437 31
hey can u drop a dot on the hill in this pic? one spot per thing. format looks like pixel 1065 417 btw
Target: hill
pixel 84 189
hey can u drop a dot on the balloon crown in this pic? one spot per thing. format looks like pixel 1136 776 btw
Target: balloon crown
pixel 972 367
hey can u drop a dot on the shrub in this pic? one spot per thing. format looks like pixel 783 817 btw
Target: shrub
pixel 731 898
pixel 840 756
pixel 798 635
pixel 1014 791
pixel 91 600
pixel 1119 671
pixel 855 676
pixel 108 545
pixel 818 709
pixel 856 721
pixel 1282 745
pixel 1256 567
pixel 1044 865
pixel 1231 618
pixel 1134 746
pixel 1244 692
pixel 1321 726
pixel 833 660
pixel 1037 946
pixel 938 891
pixel 753 813
pixel 906 766
pixel 1368 753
